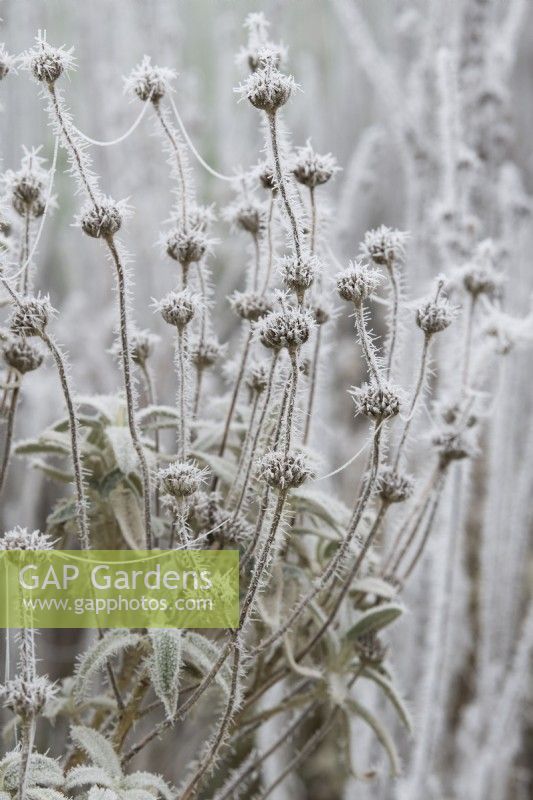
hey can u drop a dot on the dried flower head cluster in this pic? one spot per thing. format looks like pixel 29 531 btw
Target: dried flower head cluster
pixel 20 538
pixel 103 220
pixel 31 316
pixel 393 486
pixel 289 328
pixel 186 246
pixel 27 697
pixel 181 480
pixel 377 402
pixel 434 316
pixel 148 81
pixel 267 88
pixel 47 63
pixel 312 169
pixel 358 282
pixel 21 355
pixel 385 246
pixel 283 471
pixel 178 308
pixel 250 306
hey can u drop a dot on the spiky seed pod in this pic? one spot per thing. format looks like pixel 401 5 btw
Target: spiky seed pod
pixel 434 317
pixel 47 63
pixel 208 514
pixel 186 247
pixel 30 318
pixel 26 698
pixel 321 312
pixel 267 176
pixel 311 169
pixel 283 472
pixel 181 479
pixel 357 282
pixel 267 88
pixel 178 308
pixel 22 356
pixel 249 217
pixel 19 538
pixel 289 328
pixel 453 445
pixel 27 193
pixel 149 82
pixel 481 280
pixel 250 305
pixel 142 345
pixel 394 487
pixel 370 648
pixel 205 354
pixel 299 274
pixel 385 246
pixel 102 221
pixel 378 403
pixel 257 378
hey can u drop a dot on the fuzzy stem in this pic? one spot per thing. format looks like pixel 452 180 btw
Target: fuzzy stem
pixel 182 405
pixel 270 244
pixel 467 354
pixel 393 334
pixel 179 163
pixel 366 344
pixel 414 401
pixel 272 120
pixel 427 530
pixel 312 233
pixel 27 740
pixel 312 385
pixel 292 400
pixel 10 425
pixel 235 394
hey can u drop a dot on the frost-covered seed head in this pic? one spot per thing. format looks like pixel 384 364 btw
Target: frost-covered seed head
pixel 267 176
pixel 179 308
pixel 27 193
pixel 47 63
pixel 289 328
pixel 19 538
pixel 258 44
pixel 257 378
pixel 30 318
pixel 311 169
pixel 357 282
pixel 205 354
pixel 149 82
pixel 394 487
pixel 103 220
pixel 283 472
pixel 481 280
pixel 186 246
pixel 299 274
pixel 453 445
pixel 267 88
pixel 22 356
pixel 181 479
pixel 378 403
pixel 26 698
pixel 142 345
pixel 435 316
pixel 385 246
pixel 6 62
pixel 248 216
pixel 250 305
pixel 321 312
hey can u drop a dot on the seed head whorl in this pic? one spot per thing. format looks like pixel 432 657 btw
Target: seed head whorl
pixel 394 487
pixel 178 308
pixel 27 190
pixel 250 305
pixel 289 328
pixel 283 472
pixel 321 312
pixel 311 169
pixel 102 221
pixel 20 538
pixel 207 353
pixel 357 283
pixel 181 479
pixel 47 63
pixel 384 246
pixel 249 216
pixel 186 247
pixel 257 378
pixel 453 445
pixel 434 316
pixel 27 697
pixel 22 356
pixel 267 176
pixel 378 403
pixel 299 274
pixel 267 88
pixel 149 82
pixel 30 318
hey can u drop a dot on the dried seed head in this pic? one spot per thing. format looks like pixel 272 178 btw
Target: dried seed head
pixel 22 356
pixel 371 649
pixel 357 282
pixel 283 472
pixel 299 274
pixel 257 378
pixel 142 345
pixel 208 515
pixel 186 246
pixel 378 403
pixel 47 63
pixel 267 176
pixel 479 277
pixel 289 328
pixel 181 479
pixel 178 308
pixel 205 354
pixel 26 698
pixel 19 538
pixel 267 88
pixel 30 318
pixel 6 62
pixel 321 312
pixel 27 193
pixel 149 82
pixel 311 169
pixel 385 246
pixel 103 220
pixel 435 316
pixel 250 305
pixel 258 43
pixel 394 487
pixel 453 445
pixel 248 216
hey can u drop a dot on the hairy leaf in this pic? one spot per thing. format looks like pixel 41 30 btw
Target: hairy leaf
pixel 150 782
pixel 165 666
pixel 381 732
pixel 391 692
pixel 95 657
pixel 98 749
pixel 374 619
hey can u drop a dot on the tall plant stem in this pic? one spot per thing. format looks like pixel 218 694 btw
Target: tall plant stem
pixel 414 400
pixel 27 740
pixel 312 233
pixel 235 393
pixel 366 344
pixel 428 527
pixel 292 400
pixel 270 244
pixel 179 162
pixel 8 440
pixel 280 178
pixel 393 334
pixel 151 397
pixel 182 405
pixel 128 385
pixel 81 503
pixel 312 384
pixel 257 263
pixel 467 354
